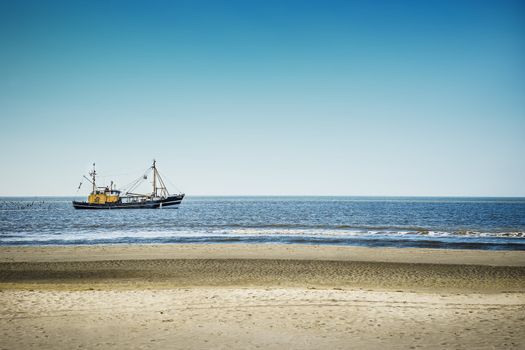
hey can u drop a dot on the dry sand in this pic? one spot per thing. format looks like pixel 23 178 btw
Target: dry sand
pixel 260 296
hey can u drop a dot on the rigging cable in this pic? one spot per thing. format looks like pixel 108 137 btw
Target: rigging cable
pixel 135 183
pixel 171 183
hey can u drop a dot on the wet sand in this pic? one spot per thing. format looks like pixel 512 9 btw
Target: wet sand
pixel 260 296
pixel 259 251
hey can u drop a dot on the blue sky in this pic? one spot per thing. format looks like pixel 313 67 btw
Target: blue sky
pixel 265 97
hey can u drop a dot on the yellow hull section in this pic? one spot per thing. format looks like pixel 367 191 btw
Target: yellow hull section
pixel 101 198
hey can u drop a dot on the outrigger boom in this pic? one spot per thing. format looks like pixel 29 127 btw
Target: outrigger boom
pixel 109 198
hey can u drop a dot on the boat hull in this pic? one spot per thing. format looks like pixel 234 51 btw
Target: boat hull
pixel 150 204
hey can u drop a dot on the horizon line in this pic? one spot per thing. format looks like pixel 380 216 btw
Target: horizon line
pixel 292 195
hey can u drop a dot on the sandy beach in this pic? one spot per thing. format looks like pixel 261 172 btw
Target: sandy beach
pixel 260 296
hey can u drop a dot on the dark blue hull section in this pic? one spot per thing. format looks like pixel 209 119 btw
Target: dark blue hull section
pixel 151 204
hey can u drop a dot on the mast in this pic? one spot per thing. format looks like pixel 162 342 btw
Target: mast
pixel 158 183
pixel 93 175
pixel 154 179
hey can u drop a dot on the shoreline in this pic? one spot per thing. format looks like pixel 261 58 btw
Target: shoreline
pixel 101 252
pixel 271 266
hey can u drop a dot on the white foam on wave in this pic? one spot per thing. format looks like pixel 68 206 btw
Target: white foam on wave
pixel 361 232
pixel 242 233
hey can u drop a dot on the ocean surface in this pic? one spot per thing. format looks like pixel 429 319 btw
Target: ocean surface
pixel 451 223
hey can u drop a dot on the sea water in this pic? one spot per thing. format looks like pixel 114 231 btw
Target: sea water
pixel 453 223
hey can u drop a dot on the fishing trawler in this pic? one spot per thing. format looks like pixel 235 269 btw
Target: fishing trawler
pixel 107 197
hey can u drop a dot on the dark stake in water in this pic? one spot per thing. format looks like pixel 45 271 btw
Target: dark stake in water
pixel 457 223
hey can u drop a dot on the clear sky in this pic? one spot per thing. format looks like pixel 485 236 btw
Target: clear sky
pixel 265 97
